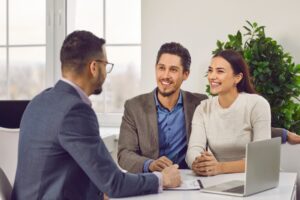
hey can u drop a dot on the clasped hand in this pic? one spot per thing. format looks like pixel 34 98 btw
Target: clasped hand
pixel 170 172
pixel 160 164
pixel 206 165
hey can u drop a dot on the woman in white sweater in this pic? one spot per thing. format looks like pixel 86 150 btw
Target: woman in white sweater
pixel 227 122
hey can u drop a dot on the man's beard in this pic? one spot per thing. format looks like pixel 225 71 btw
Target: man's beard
pixel 99 88
pixel 98 91
pixel 166 94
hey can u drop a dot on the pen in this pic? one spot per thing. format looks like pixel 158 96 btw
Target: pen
pixel 200 183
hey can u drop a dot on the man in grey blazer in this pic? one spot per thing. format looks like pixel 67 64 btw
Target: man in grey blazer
pixel 156 126
pixel 61 155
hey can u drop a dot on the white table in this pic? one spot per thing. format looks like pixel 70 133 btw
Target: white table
pixel 285 191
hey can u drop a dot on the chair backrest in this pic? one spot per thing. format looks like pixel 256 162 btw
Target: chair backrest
pixel 5 187
pixel 9 139
pixel 290 161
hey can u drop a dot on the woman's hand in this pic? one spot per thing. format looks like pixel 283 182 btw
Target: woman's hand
pixel 206 165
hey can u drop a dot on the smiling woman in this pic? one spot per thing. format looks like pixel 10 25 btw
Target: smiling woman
pixel 227 122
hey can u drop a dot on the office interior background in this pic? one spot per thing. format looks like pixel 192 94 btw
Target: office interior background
pixel 32 32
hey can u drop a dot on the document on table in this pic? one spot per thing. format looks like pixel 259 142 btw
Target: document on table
pixel 189 185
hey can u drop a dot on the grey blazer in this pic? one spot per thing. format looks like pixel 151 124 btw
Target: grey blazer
pixel 138 140
pixel 61 155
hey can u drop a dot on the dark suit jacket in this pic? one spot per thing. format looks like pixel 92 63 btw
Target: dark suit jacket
pixel 61 155
pixel 138 140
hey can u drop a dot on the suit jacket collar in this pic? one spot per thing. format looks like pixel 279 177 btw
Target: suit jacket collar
pixel 65 87
pixel 151 112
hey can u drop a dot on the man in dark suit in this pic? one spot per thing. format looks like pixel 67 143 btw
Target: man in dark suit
pixel 61 155
pixel 156 126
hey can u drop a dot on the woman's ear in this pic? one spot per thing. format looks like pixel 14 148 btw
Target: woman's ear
pixel 238 78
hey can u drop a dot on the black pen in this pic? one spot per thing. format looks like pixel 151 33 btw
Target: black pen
pixel 200 183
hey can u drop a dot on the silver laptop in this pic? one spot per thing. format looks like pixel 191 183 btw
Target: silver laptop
pixel 262 170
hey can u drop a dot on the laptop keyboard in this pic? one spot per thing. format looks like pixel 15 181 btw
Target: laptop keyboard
pixel 238 189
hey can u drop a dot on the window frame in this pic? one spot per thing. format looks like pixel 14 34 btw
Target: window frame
pixel 7 46
pixel 58 31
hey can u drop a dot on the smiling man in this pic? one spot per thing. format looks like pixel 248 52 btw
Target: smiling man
pixel 156 126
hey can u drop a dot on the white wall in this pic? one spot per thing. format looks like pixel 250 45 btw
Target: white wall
pixel 198 24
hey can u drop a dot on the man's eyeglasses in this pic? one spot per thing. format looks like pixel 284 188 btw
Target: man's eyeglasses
pixel 109 66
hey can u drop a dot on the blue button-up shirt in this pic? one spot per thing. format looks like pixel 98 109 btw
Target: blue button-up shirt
pixel 171 132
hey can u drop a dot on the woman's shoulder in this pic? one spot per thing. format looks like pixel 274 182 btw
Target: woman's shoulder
pixel 254 99
pixel 207 104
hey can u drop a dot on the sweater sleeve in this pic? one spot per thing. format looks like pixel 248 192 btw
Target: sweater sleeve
pixel 261 120
pixel 198 140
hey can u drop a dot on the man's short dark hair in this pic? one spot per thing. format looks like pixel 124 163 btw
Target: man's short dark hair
pixel 79 48
pixel 178 50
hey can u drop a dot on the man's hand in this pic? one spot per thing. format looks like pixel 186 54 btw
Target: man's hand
pixel 206 165
pixel 293 138
pixel 171 177
pixel 160 164
pixel 105 197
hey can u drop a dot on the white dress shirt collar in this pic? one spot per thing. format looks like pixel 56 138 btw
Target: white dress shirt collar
pixel 81 93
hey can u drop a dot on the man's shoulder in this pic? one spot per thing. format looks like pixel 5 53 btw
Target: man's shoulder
pixel 58 100
pixel 194 96
pixel 142 98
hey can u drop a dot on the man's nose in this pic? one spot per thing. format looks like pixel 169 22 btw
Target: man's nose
pixel 166 74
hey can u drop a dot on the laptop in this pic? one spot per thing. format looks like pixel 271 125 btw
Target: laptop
pixel 262 170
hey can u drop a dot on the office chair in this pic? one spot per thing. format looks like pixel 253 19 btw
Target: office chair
pixel 5 187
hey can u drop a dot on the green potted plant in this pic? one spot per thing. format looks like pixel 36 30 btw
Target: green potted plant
pixel 275 75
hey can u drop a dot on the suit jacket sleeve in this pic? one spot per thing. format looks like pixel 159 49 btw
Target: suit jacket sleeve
pixel 129 154
pixel 79 135
pixel 278 132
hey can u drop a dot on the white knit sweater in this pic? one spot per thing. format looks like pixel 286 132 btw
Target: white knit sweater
pixel 227 131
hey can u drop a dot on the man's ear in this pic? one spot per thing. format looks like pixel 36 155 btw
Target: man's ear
pixel 186 74
pixel 92 68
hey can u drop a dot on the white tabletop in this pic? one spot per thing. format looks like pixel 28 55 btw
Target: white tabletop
pixel 283 191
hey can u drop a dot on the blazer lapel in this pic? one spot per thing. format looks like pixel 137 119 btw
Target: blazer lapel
pixel 188 107
pixel 150 110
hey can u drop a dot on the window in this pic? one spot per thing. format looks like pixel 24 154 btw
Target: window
pixel 22 48
pixel 31 38
pixel 122 30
